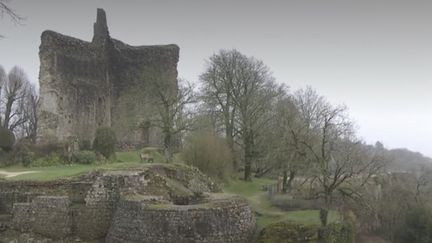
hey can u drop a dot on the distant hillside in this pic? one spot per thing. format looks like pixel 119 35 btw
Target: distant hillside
pixel 405 160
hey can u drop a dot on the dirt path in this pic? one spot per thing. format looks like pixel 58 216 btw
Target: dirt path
pixel 13 174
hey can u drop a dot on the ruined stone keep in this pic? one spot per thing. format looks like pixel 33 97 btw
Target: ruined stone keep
pixel 86 85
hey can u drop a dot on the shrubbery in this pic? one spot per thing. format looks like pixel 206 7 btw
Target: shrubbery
pixel 27 154
pixel 84 157
pixel 295 232
pixel 51 160
pixel 288 232
pixel 4 158
pixel 85 145
pixel 24 153
pixel 209 153
pixel 46 149
pixel 105 141
pixel 7 139
pixel 338 233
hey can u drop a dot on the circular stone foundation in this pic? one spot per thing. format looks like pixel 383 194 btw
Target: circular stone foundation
pixel 220 219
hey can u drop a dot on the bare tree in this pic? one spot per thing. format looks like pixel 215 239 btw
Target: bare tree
pixel 341 162
pixel 5 10
pixel 286 132
pixel 253 94
pixel 173 114
pixel 30 103
pixel 16 89
pixel 3 78
pixel 240 90
pixel 217 92
pixel 423 185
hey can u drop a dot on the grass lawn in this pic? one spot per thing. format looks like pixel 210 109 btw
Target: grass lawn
pixel 124 160
pixel 128 156
pixel 265 212
pixel 65 171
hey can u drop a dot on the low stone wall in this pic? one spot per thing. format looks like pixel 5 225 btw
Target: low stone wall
pixel 127 206
pixel 12 192
pixel 81 209
pixel 52 216
pixel 22 217
pixel 220 220
pixel 91 222
pixel 93 217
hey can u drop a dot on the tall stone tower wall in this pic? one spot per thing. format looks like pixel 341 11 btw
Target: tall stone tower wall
pixel 86 85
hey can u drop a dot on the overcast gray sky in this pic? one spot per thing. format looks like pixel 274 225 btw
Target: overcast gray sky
pixel 373 55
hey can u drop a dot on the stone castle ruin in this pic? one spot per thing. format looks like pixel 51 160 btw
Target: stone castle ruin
pixel 157 203
pixel 86 85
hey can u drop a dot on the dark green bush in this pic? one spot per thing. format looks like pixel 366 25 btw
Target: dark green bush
pixel 85 145
pixel 337 233
pixel 43 150
pixel 288 232
pixel 23 153
pixel 26 158
pixel 105 142
pixel 5 158
pixel 51 160
pixel 7 139
pixel 84 157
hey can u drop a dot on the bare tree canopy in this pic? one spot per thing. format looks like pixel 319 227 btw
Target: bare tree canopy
pixel 5 10
pixel 3 78
pixel 240 91
pixel 341 163
pixel 218 80
pixel 283 141
pixel 18 102
pixel 172 111
pixel 29 106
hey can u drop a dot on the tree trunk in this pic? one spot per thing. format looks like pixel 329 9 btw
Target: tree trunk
pixel 8 112
pixel 230 142
pixel 248 162
pixel 324 210
pixel 323 215
pixel 290 180
pixel 284 181
pixel 167 147
pixel 248 158
pixel 248 168
pixel 287 180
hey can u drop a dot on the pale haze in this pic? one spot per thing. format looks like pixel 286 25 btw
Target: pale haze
pixel 375 56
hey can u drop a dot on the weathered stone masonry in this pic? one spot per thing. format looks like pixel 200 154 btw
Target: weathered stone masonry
pixel 226 220
pixel 85 85
pixel 160 203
